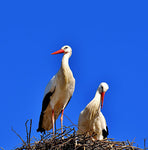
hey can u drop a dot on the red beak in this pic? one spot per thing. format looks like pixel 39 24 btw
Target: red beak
pixel 58 52
pixel 102 99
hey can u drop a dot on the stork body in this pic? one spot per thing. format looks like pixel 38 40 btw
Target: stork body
pixel 57 93
pixel 91 120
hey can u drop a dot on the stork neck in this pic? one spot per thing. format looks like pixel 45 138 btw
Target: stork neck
pixel 98 99
pixel 65 60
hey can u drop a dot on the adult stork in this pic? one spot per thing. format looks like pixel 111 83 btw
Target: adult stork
pixel 91 120
pixel 58 93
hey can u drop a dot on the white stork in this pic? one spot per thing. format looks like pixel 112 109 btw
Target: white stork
pixel 58 93
pixel 91 120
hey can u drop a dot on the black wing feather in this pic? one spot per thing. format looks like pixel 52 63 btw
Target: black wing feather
pixel 105 133
pixel 45 103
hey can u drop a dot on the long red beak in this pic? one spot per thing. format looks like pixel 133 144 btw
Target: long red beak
pixel 102 99
pixel 58 52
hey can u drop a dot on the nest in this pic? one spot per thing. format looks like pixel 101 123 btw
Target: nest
pixel 69 140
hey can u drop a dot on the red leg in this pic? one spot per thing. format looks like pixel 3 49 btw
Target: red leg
pixel 53 121
pixel 62 121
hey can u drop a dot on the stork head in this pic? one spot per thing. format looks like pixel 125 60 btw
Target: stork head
pixel 103 87
pixel 65 49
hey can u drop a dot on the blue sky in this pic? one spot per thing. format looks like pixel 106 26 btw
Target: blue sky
pixel 109 40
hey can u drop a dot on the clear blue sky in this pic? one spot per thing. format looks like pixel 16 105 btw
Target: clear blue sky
pixel 110 43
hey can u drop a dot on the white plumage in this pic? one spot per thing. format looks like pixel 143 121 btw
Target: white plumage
pixel 57 93
pixel 91 120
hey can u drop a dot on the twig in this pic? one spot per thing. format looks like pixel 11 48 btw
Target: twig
pixel 18 136
pixel 27 131
pixel 30 129
pixel 71 121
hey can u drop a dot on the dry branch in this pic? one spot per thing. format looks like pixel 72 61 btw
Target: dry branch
pixel 18 136
pixel 72 141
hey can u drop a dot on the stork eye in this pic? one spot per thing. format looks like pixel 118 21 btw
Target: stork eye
pixel 102 88
pixel 65 47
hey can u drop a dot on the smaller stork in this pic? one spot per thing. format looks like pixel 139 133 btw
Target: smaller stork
pixel 91 120
pixel 58 93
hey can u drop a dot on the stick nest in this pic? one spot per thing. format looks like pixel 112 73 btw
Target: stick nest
pixel 69 140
